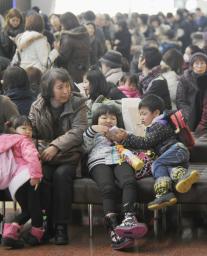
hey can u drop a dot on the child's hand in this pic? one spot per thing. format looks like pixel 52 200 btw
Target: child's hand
pixel 34 182
pixel 100 129
pixel 117 136
pixel 49 153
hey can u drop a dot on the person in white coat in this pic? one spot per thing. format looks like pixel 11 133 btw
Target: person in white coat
pixel 33 49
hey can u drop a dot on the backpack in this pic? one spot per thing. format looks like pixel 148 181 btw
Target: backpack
pixel 181 128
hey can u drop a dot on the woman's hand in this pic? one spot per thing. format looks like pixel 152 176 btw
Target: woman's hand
pixel 117 136
pixel 34 182
pixel 100 129
pixel 49 153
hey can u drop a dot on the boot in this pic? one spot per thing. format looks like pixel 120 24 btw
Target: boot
pixel 61 234
pixel 35 236
pixel 164 196
pixel 185 178
pixel 117 242
pixel 10 236
pixel 130 227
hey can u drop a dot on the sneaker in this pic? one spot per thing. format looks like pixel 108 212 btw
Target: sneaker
pixel 120 243
pixel 162 201
pixel 185 183
pixel 131 228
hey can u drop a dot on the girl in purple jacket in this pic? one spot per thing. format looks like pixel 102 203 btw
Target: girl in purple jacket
pixel 21 172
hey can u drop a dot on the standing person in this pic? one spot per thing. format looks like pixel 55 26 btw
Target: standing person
pixel 191 90
pixel 74 51
pixel 32 46
pixel 170 168
pixel 105 168
pixel 14 26
pixel 151 80
pixel 59 118
pixel 122 40
pixel 21 172
pixel 16 86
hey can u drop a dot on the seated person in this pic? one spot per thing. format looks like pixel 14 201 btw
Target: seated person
pixel 171 165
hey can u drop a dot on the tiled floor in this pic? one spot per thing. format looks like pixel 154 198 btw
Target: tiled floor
pixel 170 244
pixel 81 245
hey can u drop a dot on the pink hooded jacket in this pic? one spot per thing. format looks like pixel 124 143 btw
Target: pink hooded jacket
pixel 19 161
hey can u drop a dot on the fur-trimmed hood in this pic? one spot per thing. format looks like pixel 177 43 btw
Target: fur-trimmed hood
pixel 27 38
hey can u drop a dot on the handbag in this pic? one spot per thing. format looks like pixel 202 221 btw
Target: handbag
pixel 147 157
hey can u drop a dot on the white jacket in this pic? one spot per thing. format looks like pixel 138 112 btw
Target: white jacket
pixel 34 50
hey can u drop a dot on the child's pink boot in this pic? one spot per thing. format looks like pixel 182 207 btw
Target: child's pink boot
pixel 35 236
pixel 10 236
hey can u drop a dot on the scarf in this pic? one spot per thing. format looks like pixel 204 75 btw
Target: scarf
pixel 129 93
pixel 145 81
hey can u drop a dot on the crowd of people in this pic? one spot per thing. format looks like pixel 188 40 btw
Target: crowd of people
pixel 53 70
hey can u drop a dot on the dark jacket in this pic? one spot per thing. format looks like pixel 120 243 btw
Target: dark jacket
pixel 74 52
pixel 189 97
pixel 72 123
pixel 7 46
pixel 23 98
pixel 124 44
pixel 159 87
pixel 159 137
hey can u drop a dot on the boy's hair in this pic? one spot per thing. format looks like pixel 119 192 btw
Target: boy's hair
pixel 14 122
pixel 153 103
pixel 152 57
pixel 107 109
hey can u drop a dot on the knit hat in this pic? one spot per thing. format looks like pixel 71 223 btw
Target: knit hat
pixel 197 55
pixel 112 58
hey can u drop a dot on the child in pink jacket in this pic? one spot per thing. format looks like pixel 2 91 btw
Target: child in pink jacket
pixel 21 172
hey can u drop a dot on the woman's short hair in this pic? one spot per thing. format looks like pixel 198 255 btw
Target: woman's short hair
pixel 174 59
pixel 48 80
pixel 34 22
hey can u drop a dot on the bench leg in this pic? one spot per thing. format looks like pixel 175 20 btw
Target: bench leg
pixel 15 206
pixel 156 224
pixel 179 216
pixel 164 227
pixel 4 208
pixel 90 215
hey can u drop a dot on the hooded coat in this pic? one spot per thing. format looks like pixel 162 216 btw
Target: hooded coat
pixel 33 50
pixel 19 161
pixel 74 52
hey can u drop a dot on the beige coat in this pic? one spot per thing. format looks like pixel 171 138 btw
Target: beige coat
pixel 72 123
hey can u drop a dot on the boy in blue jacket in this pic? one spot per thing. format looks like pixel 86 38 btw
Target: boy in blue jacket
pixel 171 166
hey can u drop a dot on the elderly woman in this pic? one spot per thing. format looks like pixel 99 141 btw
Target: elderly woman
pixel 192 92
pixel 59 119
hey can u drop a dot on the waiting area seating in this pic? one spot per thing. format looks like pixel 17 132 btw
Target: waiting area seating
pixel 86 191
